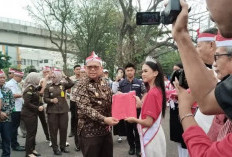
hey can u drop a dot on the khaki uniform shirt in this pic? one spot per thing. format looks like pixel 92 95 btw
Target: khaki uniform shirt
pixel 31 101
pixel 94 100
pixel 57 91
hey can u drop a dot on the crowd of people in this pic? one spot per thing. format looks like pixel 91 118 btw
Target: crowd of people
pixel 198 96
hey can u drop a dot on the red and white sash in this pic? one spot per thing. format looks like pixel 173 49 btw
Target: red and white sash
pixel 147 134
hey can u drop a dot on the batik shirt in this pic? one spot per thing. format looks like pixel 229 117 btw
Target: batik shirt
pixel 8 102
pixel 94 100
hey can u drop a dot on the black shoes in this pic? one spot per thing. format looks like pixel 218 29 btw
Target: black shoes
pixel 78 148
pixel 64 150
pixel 36 154
pixel 19 148
pixel 138 153
pixel 131 151
pixel 70 134
pixel 57 152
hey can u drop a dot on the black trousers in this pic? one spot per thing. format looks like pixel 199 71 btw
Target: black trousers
pixel 58 122
pixel 15 117
pixel 132 135
pixel 101 146
pixel 31 123
pixel 74 120
pixel 73 110
pixel 43 121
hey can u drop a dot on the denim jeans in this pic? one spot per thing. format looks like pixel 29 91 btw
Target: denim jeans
pixel 5 128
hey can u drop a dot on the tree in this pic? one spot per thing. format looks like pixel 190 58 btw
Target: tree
pixel 136 42
pixel 4 61
pixel 94 30
pixel 55 15
pixel 168 60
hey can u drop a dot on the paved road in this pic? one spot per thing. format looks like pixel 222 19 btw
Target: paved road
pixel 120 149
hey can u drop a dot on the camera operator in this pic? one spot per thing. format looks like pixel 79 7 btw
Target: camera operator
pixel 206 48
pixel 211 98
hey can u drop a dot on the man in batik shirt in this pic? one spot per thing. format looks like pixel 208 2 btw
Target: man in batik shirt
pixel 7 107
pixel 94 100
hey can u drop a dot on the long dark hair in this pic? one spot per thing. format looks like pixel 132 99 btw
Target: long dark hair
pixel 122 71
pixel 159 82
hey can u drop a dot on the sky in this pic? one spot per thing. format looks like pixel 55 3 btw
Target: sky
pixel 15 9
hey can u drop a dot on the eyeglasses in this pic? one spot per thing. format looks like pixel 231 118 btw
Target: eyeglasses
pixel 93 67
pixel 216 56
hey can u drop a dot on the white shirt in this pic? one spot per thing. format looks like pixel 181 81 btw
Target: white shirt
pixel 115 86
pixel 0 94
pixel 15 88
pixel 205 121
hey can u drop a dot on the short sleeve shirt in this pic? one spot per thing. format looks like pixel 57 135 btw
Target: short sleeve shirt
pixel 0 95
pixel 15 88
pixel 223 94
pixel 152 105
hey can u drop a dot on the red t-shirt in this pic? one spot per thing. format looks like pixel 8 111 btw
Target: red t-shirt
pixel 152 105
pixel 199 144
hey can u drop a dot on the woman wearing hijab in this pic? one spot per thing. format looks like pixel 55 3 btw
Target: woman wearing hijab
pixel 57 110
pixel 30 110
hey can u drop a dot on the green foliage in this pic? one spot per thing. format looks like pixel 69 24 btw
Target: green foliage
pixel 167 60
pixel 94 27
pixel 4 61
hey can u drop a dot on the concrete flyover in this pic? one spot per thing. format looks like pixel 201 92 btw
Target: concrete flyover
pixel 21 34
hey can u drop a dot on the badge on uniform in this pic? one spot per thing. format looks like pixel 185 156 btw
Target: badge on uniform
pixel 62 94
pixel 62 91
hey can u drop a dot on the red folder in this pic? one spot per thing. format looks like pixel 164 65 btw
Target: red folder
pixel 124 105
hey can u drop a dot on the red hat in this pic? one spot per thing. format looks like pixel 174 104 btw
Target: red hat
pixel 2 72
pixel 56 70
pixel 223 42
pixel 46 68
pixel 19 73
pixel 11 70
pixel 205 36
pixel 93 57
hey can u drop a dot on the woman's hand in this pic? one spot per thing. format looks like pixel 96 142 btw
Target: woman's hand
pixel 55 100
pixel 185 99
pixel 138 102
pixel 118 92
pixel 41 108
pixel 131 120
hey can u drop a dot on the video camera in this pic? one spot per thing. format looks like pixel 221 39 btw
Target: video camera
pixel 167 16
pixel 180 75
